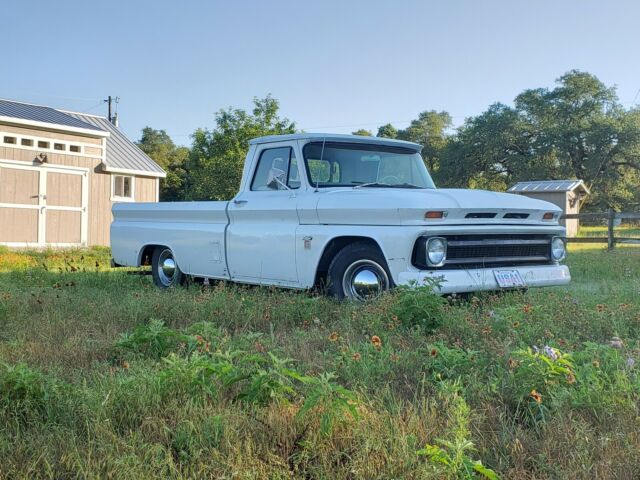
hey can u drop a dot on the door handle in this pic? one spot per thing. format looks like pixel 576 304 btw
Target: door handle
pixel 240 202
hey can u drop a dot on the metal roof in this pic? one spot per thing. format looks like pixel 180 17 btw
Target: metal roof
pixel 541 186
pixel 122 153
pixel 334 137
pixel 41 114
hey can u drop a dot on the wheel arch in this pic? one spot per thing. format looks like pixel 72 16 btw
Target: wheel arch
pixel 146 253
pixel 332 248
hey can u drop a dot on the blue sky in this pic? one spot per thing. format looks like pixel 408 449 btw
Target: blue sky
pixel 335 66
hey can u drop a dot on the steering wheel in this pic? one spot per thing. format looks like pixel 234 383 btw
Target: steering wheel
pixel 390 179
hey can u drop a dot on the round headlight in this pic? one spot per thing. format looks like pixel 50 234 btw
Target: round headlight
pixel 558 249
pixel 436 251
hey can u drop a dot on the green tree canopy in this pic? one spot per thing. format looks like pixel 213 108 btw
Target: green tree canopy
pixel 430 131
pixel 387 131
pixel 362 132
pixel 217 156
pixel 576 130
pixel 159 146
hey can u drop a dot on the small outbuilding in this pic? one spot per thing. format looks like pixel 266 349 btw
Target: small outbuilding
pixel 569 195
pixel 60 174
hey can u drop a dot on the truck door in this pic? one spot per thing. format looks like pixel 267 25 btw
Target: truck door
pixel 263 219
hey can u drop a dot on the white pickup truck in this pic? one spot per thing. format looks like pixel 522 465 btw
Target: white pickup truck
pixel 355 214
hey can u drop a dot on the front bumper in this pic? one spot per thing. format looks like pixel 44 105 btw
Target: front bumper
pixel 479 279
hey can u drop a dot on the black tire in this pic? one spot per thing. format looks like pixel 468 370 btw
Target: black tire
pixel 165 276
pixel 363 262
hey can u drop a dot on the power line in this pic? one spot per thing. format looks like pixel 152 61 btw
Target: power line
pixel 82 99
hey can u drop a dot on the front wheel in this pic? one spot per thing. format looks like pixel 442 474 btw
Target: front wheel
pixel 164 268
pixel 358 272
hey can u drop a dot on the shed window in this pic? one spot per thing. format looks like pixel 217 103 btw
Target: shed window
pixel 26 142
pixel 59 146
pixel 10 140
pixel 122 187
pixel 75 148
pixel 42 144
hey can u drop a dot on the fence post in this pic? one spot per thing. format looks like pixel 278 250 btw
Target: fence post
pixel 611 241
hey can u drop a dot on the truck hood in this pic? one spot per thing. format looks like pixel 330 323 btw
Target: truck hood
pixel 398 206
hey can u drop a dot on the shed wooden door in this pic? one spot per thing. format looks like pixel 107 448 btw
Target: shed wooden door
pixel 43 205
pixel 20 204
pixel 64 208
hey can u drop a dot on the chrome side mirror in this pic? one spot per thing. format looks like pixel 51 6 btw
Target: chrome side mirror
pixel 275 179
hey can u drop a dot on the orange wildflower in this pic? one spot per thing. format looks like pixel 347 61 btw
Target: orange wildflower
pixel 516 324
pixel 528 308
pixel 434 352
pixel 376 342
pixel 536 396
pixel 356 356
pixel 334 336
pixel 600 307
pixel 512 363
pixel 125 365
pixel 571 379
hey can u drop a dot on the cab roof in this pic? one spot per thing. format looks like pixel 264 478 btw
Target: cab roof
pixel 335 137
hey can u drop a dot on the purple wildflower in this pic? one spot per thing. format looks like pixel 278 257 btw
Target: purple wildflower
pixel 630 362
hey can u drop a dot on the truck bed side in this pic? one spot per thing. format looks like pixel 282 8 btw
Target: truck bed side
pixel 195 232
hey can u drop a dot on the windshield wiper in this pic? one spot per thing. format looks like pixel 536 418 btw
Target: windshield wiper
pixel 371 184
pixel 380 184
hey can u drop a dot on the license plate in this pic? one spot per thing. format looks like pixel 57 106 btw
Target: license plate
pixel 509 278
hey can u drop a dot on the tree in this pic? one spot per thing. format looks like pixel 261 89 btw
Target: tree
pixel 583 127
pixel 576 130
pixel 362 132
pixel 217 156
pixel 488 151
pixel 430 131
pixel 159 146
pixel 387 131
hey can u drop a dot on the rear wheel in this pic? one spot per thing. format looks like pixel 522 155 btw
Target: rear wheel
pixel 358 272
pixel 165 269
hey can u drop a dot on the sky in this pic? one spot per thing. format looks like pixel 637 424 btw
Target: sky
pixel 334 66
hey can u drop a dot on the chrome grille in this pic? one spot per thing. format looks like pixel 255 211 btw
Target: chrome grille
pixel 482 251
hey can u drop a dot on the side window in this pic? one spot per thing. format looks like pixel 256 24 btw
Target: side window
pixel 279 159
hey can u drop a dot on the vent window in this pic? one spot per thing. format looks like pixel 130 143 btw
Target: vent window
pixel 10 140
pixel 26 142
pixel 59 146
pixel 43 144
pixel 75 148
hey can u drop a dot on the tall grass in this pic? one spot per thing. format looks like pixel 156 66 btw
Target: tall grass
pixel 102 375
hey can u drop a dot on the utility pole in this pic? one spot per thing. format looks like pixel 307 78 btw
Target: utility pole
pixel 109 101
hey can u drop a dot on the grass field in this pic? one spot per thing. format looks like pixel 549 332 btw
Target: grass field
pixel 104 376
pixel 626 231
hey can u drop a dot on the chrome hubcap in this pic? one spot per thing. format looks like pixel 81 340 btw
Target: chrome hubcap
pixel 364 279
pixel 166 267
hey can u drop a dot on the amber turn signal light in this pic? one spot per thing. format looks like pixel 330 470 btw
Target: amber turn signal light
pixel 548 216
pixel 435 214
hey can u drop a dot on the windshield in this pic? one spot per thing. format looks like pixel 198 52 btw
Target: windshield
pixel 341 164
